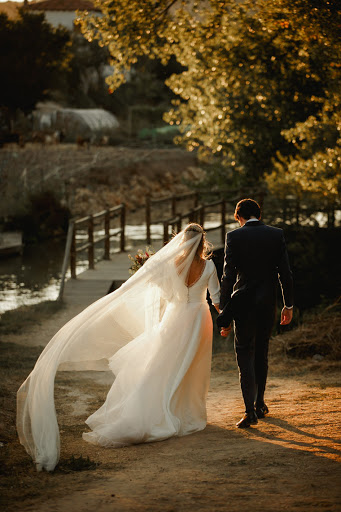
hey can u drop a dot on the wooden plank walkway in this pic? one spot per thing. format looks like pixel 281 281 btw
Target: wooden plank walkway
pixel 91 285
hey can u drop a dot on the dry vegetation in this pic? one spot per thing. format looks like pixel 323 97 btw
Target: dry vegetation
pixel 319 336
pixel 91 179
pixel 14 321
pixel 10 9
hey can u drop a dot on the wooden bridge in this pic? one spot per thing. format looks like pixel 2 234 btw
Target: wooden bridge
pixel 105 270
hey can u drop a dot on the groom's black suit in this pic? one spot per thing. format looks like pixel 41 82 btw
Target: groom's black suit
pixel 255 258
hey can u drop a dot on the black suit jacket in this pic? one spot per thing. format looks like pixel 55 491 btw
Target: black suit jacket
pixel 255 259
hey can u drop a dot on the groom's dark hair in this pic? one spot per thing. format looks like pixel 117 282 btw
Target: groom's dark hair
pixel 247 208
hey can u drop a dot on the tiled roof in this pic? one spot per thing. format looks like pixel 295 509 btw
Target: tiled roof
pixel 61 5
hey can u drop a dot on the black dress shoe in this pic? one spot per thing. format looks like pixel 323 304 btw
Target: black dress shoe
pixel 249 418
pixel 262 410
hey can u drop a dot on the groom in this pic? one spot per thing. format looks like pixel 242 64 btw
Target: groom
pixel 255 258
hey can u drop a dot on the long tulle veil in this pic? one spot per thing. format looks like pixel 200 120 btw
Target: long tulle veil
pixel 88 340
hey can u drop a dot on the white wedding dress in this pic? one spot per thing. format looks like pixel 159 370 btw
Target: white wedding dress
pixel 155 334
pixel 162 378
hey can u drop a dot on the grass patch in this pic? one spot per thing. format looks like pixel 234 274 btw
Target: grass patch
pixel 77 464
pixel 319 334
pixel 15 357
pixel 16 320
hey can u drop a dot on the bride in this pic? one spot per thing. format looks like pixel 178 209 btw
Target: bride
pixel 155 334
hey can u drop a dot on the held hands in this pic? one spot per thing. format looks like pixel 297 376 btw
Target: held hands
pixel 225 331
pixel 286 316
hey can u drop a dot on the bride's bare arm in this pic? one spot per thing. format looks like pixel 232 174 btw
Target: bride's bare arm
pixel 214 286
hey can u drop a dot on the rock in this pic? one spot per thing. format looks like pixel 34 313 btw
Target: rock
pixel 318 357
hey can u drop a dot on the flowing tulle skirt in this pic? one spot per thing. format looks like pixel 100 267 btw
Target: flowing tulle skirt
pixel 161 381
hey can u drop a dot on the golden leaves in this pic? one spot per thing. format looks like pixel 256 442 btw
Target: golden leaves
pixel 249 70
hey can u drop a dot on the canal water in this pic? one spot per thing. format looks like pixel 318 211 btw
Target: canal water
pixel 31 277
pixel 35 275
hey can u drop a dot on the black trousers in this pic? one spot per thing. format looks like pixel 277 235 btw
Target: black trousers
pixel 252 333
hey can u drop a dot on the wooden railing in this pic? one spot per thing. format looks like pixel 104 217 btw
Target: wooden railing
pixel 172 202
pixel 66 259
pixel 174 223
pixel 196 214
pixel 92 223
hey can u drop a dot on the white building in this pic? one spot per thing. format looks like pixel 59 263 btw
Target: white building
pixel 61 12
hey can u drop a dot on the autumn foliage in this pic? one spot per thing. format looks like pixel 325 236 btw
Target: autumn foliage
pixel 259 88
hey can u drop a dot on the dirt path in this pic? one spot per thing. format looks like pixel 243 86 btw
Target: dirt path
pixel 290 461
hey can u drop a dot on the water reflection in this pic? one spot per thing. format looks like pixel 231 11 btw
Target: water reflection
pixel 31 277
pixel 34 276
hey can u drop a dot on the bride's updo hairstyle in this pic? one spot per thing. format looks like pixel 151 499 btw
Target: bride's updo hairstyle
pixel 204 248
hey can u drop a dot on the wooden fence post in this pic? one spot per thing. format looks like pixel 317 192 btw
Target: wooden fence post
pixel 179 223
pixel 223 221
pixel 123 223
pixel 284 211
pixel 91 255
pixel 173 199
pixel 202 216
pixel 148 219
pixel 165 232
pixel 297 212
pixel 73 254
pixel 330 215
pixel 107 235
pixel 66 258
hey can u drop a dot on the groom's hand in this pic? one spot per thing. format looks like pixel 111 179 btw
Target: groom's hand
pixel 286 316
pixel 225 331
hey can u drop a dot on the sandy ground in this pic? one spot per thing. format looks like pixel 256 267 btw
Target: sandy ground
pixel 290 461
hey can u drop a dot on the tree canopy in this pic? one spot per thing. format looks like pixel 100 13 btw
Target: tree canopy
pixel 259 79
pixel 33 57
